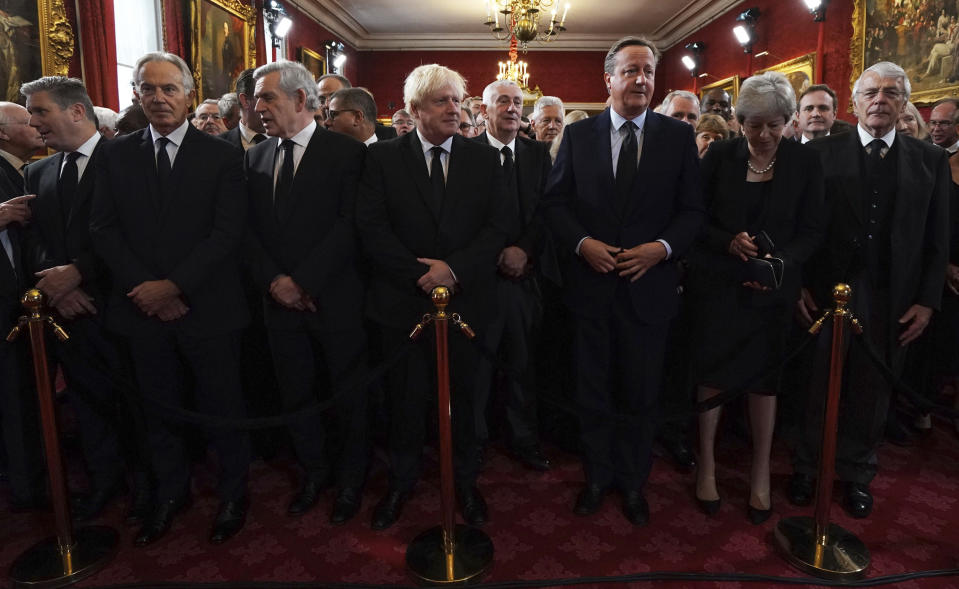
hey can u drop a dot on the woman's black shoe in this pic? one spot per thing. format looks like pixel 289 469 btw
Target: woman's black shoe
pixel 758 516
pixel 710 507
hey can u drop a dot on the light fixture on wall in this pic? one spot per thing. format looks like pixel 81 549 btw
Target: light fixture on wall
pixel 335 56
pixel 818 9
pixel 745 32
pixel 519 19
pixel 694 62
pixel 277 20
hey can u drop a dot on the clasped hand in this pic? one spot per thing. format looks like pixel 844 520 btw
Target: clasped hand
pixel 632 262
pixel 439 274
pixel 291 295
pixel 159 298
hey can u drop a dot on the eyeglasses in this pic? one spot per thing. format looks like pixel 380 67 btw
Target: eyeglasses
pixel 465 126
pixel 940 123
pixel 336 113
pixel 891 93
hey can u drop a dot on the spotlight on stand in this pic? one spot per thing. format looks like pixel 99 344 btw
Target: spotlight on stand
pixel 745 32
pixel 818 9
pixel 335 56
pixel 278 21
pixel 694 61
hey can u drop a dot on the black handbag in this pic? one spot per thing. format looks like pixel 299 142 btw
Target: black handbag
pixel 765 269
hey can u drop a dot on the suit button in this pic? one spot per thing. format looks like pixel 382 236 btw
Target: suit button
pixel 875 191
pixel 869 236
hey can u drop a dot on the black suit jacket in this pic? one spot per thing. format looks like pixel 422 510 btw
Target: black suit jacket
pixel 919 226
pixel 54 238
pixel 794 216
pixel 12 277
pixel 383 132
pixel 397 224
pixel 190 236
pixel 233 136
pixel 11 182
pixel 315 244
pixel 666 203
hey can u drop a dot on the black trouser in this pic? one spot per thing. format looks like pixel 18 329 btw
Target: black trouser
pixel 214 363
pixel 297 355
pixel 619 362
pixel 20 421
pixel 411 390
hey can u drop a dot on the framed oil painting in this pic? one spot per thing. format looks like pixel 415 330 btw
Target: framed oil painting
pixel 922 36
pixel 800 71
pixel 313 62
pixel 730 85
pixel 36 40
pixel 223 44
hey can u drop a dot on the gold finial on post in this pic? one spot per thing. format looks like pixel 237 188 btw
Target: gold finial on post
pixel 441 298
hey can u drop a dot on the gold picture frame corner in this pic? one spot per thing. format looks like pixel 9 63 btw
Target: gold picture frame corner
pixel 57 38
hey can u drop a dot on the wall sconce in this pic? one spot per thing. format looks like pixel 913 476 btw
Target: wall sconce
pixel 278 21
pixel 746 31
pixel 694 61
pixel 335 56
pixel 818 9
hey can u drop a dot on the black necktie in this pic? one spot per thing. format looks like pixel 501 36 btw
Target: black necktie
pixel 626 164
pixel 164 169
pixel 437 179
pixel 259 138
pixel 281 194
pixel 69 178
pixel 874 149
pixel 507 163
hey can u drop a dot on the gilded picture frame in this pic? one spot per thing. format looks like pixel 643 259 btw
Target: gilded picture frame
pixel 36 39
pixel 730 85
pixel 313 61
pixel 801 71
pixel 918 39
pixel 222 45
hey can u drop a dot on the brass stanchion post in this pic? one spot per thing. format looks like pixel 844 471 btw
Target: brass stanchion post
pixel 814 544
pixel 73 554
pixel 450 553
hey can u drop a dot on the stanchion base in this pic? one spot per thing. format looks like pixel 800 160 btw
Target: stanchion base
pixel 42 565
pixel 472 556
pixel 844 557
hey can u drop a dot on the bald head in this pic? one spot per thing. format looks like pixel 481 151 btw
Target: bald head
pixel 17 137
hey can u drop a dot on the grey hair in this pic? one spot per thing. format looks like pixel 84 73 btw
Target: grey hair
pixel 400 113
pixel 341 79
pixel 547 101
pixel 293 76
pixel 662 108
pixel 106 117
pixel 64 91
pixel 185 73
pixel 765 94
pixel 609 64
pixel 359 99
pixel 489 93
pixel 227 104
pixel 885 69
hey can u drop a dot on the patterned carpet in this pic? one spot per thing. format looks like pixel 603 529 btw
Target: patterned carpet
pixel 536 536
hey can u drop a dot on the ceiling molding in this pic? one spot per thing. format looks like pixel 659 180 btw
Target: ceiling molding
pixel 332 16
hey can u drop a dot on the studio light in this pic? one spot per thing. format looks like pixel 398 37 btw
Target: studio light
pixel 745 32
pixel 694 61
pixel 818 9
pixel 335 55
pixel 689 63
pixel 278 21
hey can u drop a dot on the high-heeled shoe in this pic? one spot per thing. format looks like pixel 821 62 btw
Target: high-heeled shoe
pixel 757 516
pixel 709 507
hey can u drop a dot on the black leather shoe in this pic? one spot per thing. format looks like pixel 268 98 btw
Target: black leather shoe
pixel 141 505
pixel 532 458
pixel 635 508
pixel 589 500
pixel 306 498
pixel 857 501
pixel 681 455
pixel 160 521
pixel 388 510
pixel 801 489
pixel 473 506
pixel 229 520
pixel 89 506
pixel 757 516
pixel 346 505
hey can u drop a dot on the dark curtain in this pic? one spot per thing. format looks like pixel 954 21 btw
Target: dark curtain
pixel 99 51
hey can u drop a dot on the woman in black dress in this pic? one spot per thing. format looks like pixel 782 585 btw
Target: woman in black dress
pixel 754 185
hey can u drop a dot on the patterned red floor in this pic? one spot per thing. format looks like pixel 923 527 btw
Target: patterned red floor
pixel 536 536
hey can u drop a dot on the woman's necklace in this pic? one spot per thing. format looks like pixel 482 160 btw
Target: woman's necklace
pixel 749 164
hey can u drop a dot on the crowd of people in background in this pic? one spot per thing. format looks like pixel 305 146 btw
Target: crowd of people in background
pixel 261 252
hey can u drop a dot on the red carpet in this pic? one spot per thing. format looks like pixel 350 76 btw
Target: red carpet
pixel 536 536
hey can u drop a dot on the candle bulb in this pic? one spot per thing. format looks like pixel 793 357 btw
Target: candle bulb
pixel 496 17
pixel 563 22
pixel 489 9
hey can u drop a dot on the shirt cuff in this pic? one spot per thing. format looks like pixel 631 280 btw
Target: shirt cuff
pixel 580 244
pixel 453 274
pixel 669 250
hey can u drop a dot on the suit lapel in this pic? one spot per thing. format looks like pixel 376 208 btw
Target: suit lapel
pixel 185 156
pixel 912 177
pixel 414 159
pixel 13 175
pixel 648 162
pixel 148 158
pixel 457 174
pixel 851 181
pixel 525 184
pixel 601 146
pixel 85 188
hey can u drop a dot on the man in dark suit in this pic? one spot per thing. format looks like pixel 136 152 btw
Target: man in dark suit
pixel 18 411
pixel 168 222
pixel 627 226
pixel 431 211
pixel 888 239
pixel 250 130
pixel 352 112
pixel 526 164
pixel 303 256
pixel 75 280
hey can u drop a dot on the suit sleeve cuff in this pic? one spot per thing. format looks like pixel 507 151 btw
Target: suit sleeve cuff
pixel 579 244
pixel 669 250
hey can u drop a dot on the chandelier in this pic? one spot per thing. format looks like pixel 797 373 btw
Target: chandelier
pixel 517 71
pixel 519 19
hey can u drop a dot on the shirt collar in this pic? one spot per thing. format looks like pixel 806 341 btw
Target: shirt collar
pixel 803 139
pixel 617 120
pixel 427 146
pixel 246 133
pixel 89 145
pixel 16 162
pixel 499 145
pixel 303 137
pixel 865 138
pixel 175 136
pixel 371 139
